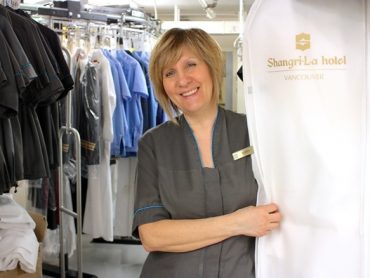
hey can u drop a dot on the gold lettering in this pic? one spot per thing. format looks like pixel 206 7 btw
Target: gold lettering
pixel 270 62
pixel 302 61
pixel 334 60
pixel 312 76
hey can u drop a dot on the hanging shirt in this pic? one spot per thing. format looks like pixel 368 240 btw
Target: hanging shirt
pixel 53 41
pixel 11 90
pixel 47 84
pixel 305 75
pixel 120 125
pixel 9 93
pixel 28 71
pixel 160 116
pixel 150 103
pixel 138 89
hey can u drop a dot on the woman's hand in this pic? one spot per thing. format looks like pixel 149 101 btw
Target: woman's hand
pixel 257 221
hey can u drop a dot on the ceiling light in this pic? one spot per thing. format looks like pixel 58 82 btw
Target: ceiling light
pixel 208 8
pixel 203 3
pixel 210 13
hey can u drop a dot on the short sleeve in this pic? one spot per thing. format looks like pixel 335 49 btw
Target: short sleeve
pixel 27 70
pixel 8 93
pixel 148 204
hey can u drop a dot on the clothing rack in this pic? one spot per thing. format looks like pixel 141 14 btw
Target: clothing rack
pixel 123 20
pixel 124 14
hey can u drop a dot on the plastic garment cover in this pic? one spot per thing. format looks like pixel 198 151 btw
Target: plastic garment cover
pixel 88 117
pixel 98 217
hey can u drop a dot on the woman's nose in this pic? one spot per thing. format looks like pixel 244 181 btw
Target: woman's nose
pixel 183 79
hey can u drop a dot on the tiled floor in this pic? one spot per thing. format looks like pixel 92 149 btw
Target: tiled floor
pixel 107 260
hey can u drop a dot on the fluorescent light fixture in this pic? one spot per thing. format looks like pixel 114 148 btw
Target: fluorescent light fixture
pixel 208 8
pixel 203 3
pixel 210 13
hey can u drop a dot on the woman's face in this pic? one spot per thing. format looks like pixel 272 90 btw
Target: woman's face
pixel 188 83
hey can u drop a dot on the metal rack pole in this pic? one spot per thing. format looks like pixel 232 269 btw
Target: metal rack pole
pixel 68 129
pixel 62 209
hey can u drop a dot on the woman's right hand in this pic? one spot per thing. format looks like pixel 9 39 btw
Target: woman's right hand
pixel 257 221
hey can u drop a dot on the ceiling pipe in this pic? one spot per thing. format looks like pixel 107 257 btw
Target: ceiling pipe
pixel 176 13
pixel 241 16
pixel 155 10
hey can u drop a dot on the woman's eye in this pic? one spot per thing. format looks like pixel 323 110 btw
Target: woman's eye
pixel 190 65
pixel 169 73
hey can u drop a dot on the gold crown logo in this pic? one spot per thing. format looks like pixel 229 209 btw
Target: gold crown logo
pixel 303 41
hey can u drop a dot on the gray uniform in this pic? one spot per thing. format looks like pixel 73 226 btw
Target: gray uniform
pixel 172 184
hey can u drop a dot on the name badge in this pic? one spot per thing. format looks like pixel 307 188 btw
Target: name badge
pixel 243 153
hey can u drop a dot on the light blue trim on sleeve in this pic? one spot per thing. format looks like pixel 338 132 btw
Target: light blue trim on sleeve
pixel 148 207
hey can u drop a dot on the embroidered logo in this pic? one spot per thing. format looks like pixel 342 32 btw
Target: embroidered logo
pixel 303 41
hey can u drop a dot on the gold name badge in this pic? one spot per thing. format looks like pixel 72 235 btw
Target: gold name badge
pixel 243 153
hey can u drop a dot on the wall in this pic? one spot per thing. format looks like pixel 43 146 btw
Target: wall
pixel 234 96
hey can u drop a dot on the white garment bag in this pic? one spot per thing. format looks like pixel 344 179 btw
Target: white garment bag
pixel 305 65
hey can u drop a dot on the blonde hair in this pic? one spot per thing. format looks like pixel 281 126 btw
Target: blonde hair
pixel 167 51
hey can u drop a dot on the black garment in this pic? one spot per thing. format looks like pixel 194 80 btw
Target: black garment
pixel 172 184
pixel 53 41
pixel 9 97
pixel 4 175
pixel 7 176
pixel 35 158
pixel 27 71
pixel 42 89
pixel 47 84
pixel 49 127
pixel 11 152
pixel 18 147
pixel 3 79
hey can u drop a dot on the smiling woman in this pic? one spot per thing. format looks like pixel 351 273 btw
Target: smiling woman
pixel 195 204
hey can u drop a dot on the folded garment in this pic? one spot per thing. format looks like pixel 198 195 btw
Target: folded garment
pixel 8 207
pixel 18 247
pixel 13 215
